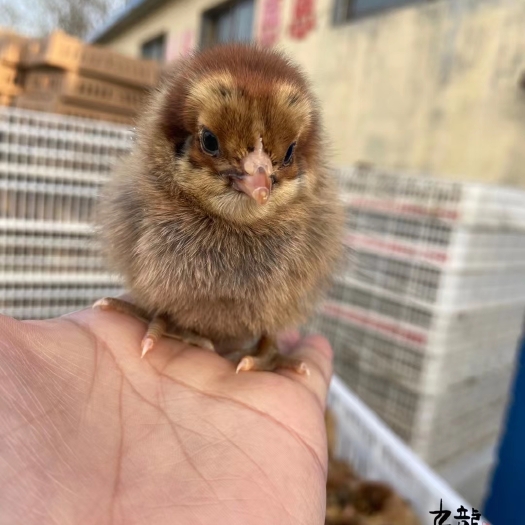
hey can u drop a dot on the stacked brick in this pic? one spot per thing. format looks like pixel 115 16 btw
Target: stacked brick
pixel 11 47
pixel 63 75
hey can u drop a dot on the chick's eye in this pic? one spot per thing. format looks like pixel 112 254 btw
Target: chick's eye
pixel 289 154
pixel 209 142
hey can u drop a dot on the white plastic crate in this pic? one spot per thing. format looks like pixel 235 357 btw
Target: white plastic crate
pixel 377 454
pixel 466 248
pixel 439 380
pixel 51 168
pixel 426 315
pixel 438 428
pixel 431 350
pixel 471 474
pixel 441 242
pixel 424 198
pixel 429 282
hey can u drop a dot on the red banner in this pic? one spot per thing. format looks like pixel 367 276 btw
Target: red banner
pixel 303 18
pixel 179 45
pixel 187 43
pixel 270 22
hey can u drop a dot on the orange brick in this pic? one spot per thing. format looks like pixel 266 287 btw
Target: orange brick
pixel 68 53
pixel 97 94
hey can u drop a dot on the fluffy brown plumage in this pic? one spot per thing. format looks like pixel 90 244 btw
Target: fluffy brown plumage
pixel 378 504
pixel 233 244
pixel 351 501
pixel 354 501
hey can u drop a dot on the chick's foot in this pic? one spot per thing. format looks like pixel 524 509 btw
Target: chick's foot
pixel 268 358
pixel 158 325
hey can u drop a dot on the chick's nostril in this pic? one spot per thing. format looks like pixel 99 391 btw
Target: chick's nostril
pixel 256 161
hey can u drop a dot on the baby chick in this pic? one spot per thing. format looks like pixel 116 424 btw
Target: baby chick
pixel 224 219
pixel 377 504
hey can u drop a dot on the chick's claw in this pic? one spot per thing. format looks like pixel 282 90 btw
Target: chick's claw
pixel 156 328
pixel 269 359
pixel 250 363
pixel 118 305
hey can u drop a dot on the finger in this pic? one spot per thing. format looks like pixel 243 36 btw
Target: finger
pixel 288 340
pixel 317 354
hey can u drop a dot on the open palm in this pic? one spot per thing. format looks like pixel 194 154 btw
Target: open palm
pixel 92 434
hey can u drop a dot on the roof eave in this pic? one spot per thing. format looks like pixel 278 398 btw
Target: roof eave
pixel 123 19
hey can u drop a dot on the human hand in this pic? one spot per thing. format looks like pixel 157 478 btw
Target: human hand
pixel 92 434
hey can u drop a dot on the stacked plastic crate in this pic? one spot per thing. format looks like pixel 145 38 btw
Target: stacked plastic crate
pixel 50 170
pixel 63 75
pixel 426 318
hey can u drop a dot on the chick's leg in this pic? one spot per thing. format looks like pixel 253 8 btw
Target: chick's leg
pixel 267 357
pixel 158 325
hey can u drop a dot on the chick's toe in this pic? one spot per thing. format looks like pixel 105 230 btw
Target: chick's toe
pixel 268 358
pixel 158 325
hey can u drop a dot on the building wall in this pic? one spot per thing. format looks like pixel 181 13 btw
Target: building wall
pixel 431 87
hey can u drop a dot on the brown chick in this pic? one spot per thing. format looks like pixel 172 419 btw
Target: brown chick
pixel 377 504
pixel 224 219
pixel 342 516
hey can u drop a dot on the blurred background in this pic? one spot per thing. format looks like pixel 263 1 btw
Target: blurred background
pixel 424 107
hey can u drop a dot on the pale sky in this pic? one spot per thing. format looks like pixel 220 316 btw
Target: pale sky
pixel 32 17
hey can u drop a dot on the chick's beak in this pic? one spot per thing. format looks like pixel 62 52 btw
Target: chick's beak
pixel 256 181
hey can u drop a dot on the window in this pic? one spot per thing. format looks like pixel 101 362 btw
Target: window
pixel 348 9
pixel 155 49
pixel 230 22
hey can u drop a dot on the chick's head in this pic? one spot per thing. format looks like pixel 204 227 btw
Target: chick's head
pixel 236 129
